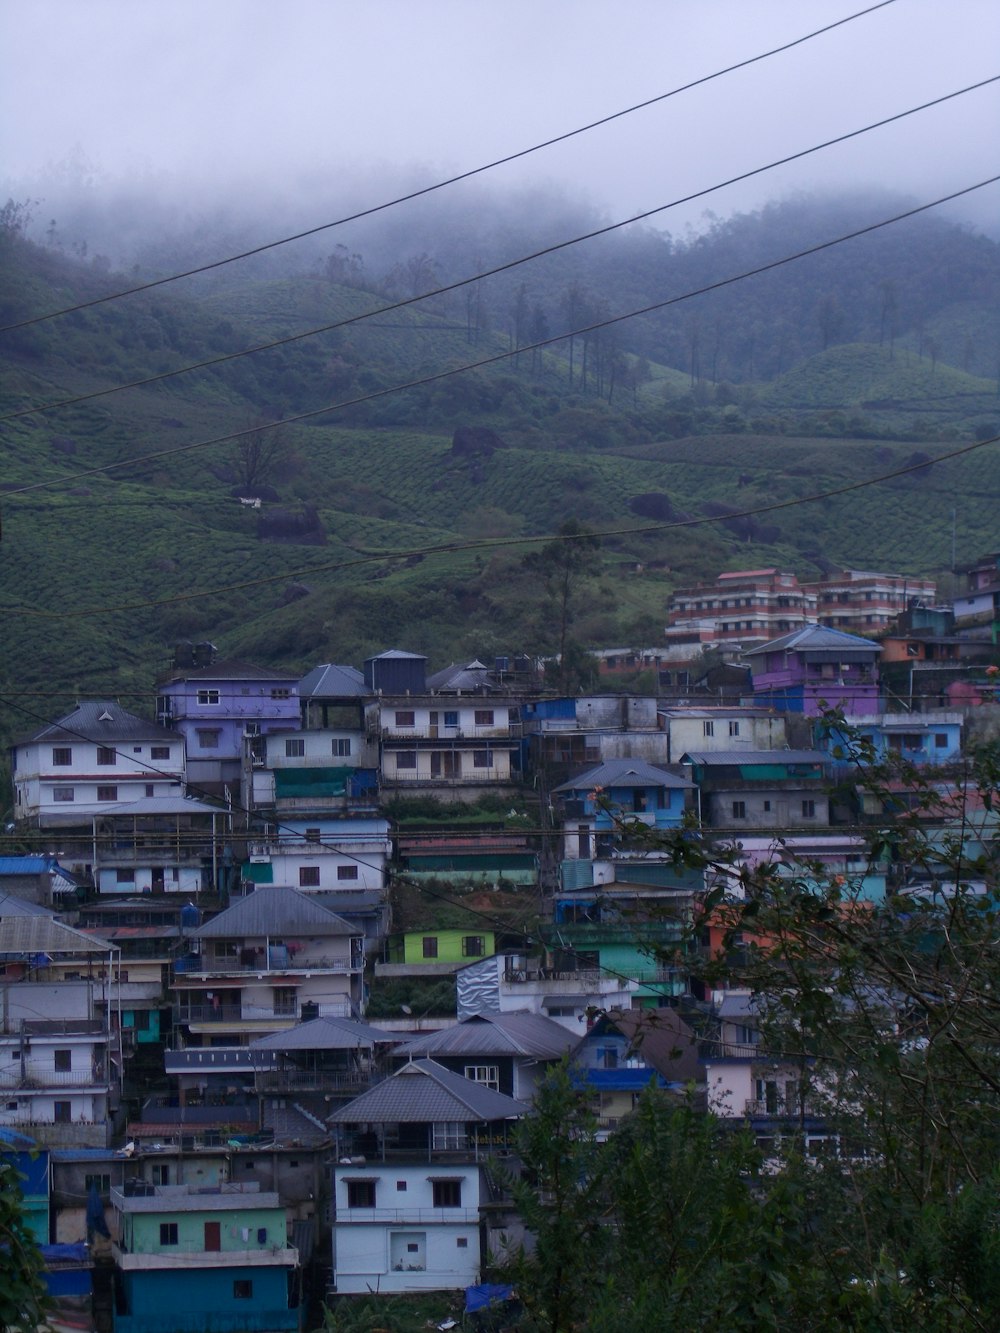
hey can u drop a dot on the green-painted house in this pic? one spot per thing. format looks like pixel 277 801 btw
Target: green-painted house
pixel 203 1260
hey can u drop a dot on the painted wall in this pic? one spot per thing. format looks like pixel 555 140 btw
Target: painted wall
pixel 205 1301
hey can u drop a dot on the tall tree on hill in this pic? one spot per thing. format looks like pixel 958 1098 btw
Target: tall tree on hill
pixel 563 564
pixel 257 454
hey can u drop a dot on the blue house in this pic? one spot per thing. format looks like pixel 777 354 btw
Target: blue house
pixel 919 738
pixel 604 804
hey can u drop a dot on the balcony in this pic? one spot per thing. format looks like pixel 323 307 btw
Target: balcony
pixel 39 1080
pixel 189 1256
pixel 406 1216
pixel 285 965
pixel 403 735
pixel 315 1080
pixel 234 1014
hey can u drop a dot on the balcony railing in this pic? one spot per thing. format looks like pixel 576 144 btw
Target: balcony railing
pixel 209 966
pixel 229 1013
pixel 406 1215
pixel 784 1107
pixel 314 1080
pixel 474 777
pixel 34 1080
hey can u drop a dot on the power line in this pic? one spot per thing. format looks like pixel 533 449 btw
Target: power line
pixel 452 180
pixel 494 543
pixel 448 288
pixel 498 357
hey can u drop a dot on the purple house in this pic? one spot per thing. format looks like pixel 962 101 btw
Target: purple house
pixel 815 668
pixel 219 708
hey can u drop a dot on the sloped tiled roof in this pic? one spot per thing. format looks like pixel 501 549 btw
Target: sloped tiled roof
pixel 820 638
pixel 325 1034
pixel 422 1092
pixel 518 1034
pixel 102 721
pixel 332 682
pixel 274 911
pixel 623 773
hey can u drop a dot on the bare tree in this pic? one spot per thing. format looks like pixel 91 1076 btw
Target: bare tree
pixel 257 454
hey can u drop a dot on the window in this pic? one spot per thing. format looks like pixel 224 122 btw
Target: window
pixel 295 748
pixel 168 1233
pixel 405 717
pixel 808 809
pixel 285 1000
pixel 107 793
pixel 62 794
pixel 482 759
pixel 360 1193
pixel 708 728
pixel 739 809
pixel 281 692
pixel 62 1112
pixel 451 718
pixel 209 698
pixel 208 738
pixel 124 876
pixel 62 757
pixel 347 872
pixel 462 1242
pixel 101 1181
pixel 448 1135
pixel 487 1075
pixel 607 1057
pixel 447 1193
pixel 484 717
pixel 406 759
pixel 242 1289
pixel 62 1061
pixel 312 835
pixel 767 807
pixel 734 728
pixel 308 877
pixel 473 946
pixel 341 747
pixel 430 946
pixel 940 740
pixel 161 1173
pixel 150 789
pixel 159 752
pixel 107 754
pixel 401 1186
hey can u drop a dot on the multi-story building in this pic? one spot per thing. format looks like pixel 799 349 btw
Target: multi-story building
pixel 217 706
pixel 203 1260
pixel 112 787
pixel 742 607
pixel 860 600
pixel 776 789
pixel 815 669
pixel 268 960
pixel 411 1185
pixel 322 855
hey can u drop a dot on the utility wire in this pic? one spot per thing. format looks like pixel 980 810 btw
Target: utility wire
pixel 493 543
pixel 498 357
pixel 452 180
pixel 227 357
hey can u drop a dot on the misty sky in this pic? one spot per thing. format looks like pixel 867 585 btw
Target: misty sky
pixel 258 98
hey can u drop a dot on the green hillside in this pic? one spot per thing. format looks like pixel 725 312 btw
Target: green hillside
pixel 374 528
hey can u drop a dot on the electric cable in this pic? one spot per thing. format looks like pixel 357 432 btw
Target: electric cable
pixel 496 358
pixel 448 288
pixel 452 180
pixel 494 543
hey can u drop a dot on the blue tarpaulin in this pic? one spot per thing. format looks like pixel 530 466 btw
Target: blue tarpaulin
pixel 486 1294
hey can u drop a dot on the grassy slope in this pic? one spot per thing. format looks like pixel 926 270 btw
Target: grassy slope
pixel 100 575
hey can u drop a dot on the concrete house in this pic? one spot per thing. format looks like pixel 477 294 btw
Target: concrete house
pixel 777 789
pixel 599 807
pixel 321 854
pixel 203 1261
pixel 411 1181
pixel 815 668
pixel 263 962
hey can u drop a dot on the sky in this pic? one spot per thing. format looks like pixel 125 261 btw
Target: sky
pixel 271 104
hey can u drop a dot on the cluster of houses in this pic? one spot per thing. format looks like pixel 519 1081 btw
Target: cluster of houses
pixel 190 1073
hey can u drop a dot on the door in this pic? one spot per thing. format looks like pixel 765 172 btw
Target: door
pixel 213 1237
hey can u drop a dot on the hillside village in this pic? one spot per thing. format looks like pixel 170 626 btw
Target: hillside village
pixel 284 963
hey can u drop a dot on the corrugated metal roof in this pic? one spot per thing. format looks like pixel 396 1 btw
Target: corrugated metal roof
pixel 43 934
pixel 34 865
pixel 518 1034
pixel 819 638
pixel 741 758
pixel 623 773
pixel 423 1092
pixel 273 910
pixel 325 1034
pixel 13 906
pixel 332 682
